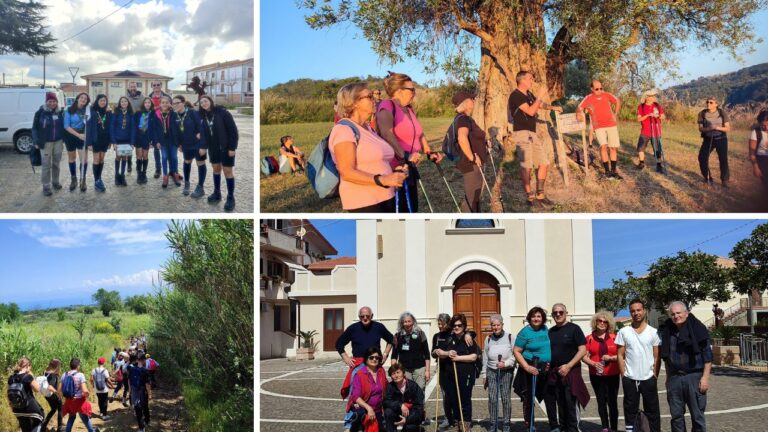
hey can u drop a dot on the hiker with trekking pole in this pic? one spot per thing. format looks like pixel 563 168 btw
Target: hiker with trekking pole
pixel 467 147
pixel 462 375
pixel 758 149
pixel 441 341
pixel 650 114
pixel 533 354
pixel 398 124
pixel 366 181
pixel 498 370
pixel 714 124
pixel 523 108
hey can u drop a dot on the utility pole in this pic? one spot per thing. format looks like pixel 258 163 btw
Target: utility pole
pixel 73 71
pixel 43 70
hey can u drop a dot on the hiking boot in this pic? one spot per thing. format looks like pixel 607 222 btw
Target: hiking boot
pixel 214 197
pixel 531 200
pixel 617 176
pixel 72 183
pixel 725 184
pixel 540 197
pixel 57 186
pixel 444 424
pixel 47 190
pixel 186 188
pixel 641 165
pixel 659 168
pixel 105 417
pixel 177 179
pixel 99 186
pixel 165 182
pixel 130 166
pixel 609 175
pixel 230 204
pixel 83 186
pixel 117 180
pixel 199 192
pixel 157 173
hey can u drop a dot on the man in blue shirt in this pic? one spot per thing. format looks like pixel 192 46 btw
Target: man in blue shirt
pixel 687 355
pixel 363 335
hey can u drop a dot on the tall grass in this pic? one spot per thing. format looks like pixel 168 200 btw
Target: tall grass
pixel 204 321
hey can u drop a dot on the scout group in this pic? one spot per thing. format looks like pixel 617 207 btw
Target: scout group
pixel 539 363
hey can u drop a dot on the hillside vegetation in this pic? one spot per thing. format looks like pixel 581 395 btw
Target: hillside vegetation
pixel 744 86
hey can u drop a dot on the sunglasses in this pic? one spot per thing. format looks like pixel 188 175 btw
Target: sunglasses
pixel 373 357
pixel 558 313
pixel 711 102
pixel 598 89
pixel 458 326
pixel 601 321
pixel 157 85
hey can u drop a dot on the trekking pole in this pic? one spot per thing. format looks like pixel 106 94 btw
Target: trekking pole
pixel 426 197
pixel 437 404
pixel 442 174
pixel 458 396
pixel 493 164
pixel 498 395
pixel 488 188
pixel 661 149
pixel 407 196
pixel 397 200
pixel 531 428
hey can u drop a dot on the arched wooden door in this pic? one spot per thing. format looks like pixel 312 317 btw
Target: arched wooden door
pixel 476 295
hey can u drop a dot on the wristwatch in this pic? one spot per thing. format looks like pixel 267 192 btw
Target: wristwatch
pixel 377 181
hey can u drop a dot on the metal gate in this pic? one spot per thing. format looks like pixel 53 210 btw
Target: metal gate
pixel 754 350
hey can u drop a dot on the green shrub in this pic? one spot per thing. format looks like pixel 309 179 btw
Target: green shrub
pixel 61 315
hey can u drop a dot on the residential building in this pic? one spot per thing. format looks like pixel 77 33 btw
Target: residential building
pixel 285 247
pixel 115 84
pixel 228 82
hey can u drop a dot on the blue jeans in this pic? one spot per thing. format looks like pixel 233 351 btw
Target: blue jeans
pixel 170 159
pixel 683 391
pixel 86 421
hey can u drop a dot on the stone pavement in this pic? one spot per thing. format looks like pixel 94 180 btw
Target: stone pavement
pixel 304 396
pixel 21 190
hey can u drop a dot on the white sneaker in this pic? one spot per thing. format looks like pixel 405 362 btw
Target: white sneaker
pixel 105 417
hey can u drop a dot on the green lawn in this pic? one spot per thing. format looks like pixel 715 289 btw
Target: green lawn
pixel 681 190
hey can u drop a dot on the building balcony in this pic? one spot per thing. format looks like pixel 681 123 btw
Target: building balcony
pixel 277 241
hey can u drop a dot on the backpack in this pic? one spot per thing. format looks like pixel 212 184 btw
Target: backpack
pixel 68 387
pixel 35 158
pixel 17 396
pixel 119 374
pixel 269 165
pixel 702 119
pixel 641 423
pixel 98 380
pixel 451 147
pixel 321 170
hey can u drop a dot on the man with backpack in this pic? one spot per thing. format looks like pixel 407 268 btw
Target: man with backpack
pixel 102 383
pixel 650 114
pixel 48 136
pixel 120 367
pixel 523 109
pixel 141 391
pixel 75 391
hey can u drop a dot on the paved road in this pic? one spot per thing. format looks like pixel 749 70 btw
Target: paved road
pixel 21 190
pixel 309 400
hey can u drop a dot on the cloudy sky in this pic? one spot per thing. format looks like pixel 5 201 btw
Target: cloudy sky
pixel 165 37
pixel 48 263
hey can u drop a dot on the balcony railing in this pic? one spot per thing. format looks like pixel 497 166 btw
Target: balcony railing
pixel 280 240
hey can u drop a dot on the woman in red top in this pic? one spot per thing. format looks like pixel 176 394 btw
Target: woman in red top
pixel 367 397
pixel 601 358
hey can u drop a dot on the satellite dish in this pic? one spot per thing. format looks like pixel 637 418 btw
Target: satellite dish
pixel 302 232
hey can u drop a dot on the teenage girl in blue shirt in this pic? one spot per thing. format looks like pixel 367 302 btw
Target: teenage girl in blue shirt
pixel 121 132
pixel 188 130
pixel 74 139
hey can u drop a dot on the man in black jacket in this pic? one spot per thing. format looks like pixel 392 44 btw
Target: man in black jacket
pixel 403 401
pixel 48 134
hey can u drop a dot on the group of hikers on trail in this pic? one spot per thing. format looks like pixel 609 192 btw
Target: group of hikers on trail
pixel 372 155
pixel 68 394
pixel 538 364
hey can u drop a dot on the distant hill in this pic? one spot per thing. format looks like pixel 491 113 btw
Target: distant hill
pixel 323 89
pixel 748 85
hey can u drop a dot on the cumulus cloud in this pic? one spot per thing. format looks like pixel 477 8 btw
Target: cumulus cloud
pixel 158 36
pixel 142 278
pixel 124 237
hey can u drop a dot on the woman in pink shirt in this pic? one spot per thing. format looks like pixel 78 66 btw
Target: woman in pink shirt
pixel 398 125
pixel 363 159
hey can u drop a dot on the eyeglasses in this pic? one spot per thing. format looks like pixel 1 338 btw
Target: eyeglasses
pixel 601 321
pixel 373 357
pixel 558 313
pixel 157 85
pixel 370 96
pixel 598 89
pixel 363 316
pixel 711 102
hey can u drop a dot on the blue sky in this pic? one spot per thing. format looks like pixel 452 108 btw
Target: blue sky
pixel 618 245
pixel 49 263
pixel 291 50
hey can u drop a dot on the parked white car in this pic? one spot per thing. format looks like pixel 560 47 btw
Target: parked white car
pixel 17 110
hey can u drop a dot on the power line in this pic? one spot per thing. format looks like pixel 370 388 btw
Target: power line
pixel 646 262
pixel 97 22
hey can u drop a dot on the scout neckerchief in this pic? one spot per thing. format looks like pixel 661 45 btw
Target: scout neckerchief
pixel 209 120
pixel 125 118
pixel 184 117
pixel 165 120
pixel 102 119
pixel 144 122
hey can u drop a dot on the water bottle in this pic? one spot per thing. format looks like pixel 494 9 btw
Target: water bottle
pixel 602 369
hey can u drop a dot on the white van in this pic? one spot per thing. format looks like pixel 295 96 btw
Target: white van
pixel 17 110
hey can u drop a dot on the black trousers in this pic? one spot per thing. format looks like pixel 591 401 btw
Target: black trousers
pixel 103 402
pixel 762 163
pixel 142 411
pixel 412 422
pixel 525 389
pixel 387 206
pixel 720 145
pixel 466 382
pixel 648 391
pixel 448 409
pixel 567 406
pixel 607 392
pixel 56 405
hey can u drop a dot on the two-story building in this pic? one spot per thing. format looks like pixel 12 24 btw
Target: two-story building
pixel 115 84
pixel 228 82
pixel 286 246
